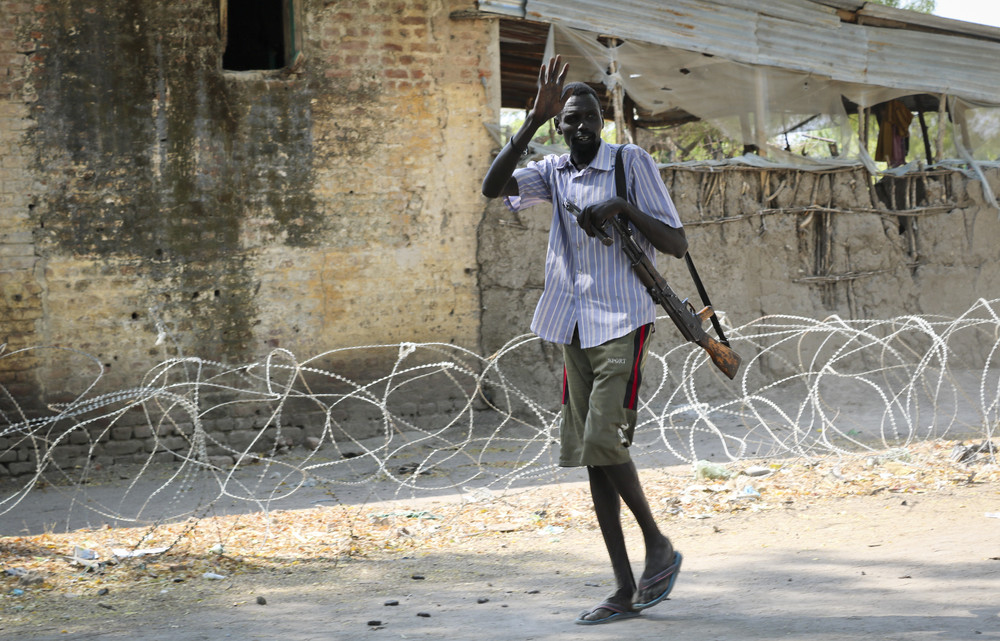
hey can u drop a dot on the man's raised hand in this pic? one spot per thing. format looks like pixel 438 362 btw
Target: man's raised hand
pixel 549 100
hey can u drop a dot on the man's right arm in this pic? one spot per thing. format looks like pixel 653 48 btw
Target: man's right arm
pixel 499 179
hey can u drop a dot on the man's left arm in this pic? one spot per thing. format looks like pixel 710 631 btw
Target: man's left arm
pixel 650 193
pixel 667 239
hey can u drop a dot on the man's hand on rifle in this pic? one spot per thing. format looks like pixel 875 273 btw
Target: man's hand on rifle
pixel 595 216
pixel 667 239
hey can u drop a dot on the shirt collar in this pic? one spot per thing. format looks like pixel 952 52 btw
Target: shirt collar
pixel 603 161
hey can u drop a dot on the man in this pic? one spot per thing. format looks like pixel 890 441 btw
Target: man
pixel 594 305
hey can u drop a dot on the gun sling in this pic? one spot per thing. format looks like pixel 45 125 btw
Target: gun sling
pixel 622 191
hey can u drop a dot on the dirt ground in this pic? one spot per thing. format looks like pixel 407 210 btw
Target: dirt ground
pixel 895 561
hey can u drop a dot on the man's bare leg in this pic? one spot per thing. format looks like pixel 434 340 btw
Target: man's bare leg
pixel 660 553
pixel 607 507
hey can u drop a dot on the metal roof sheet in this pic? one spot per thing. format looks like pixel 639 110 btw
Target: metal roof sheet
pixel 879 12
pixel 513 8
pixel 802 35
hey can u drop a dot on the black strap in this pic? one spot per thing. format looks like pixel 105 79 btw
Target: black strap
pixel 704 299
pixel 621 188
pixel 621 185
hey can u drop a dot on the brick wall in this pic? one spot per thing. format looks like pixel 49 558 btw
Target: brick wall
pixel 21 300
pixel 154 206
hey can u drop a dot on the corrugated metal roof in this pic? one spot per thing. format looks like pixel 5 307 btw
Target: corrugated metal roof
pixel 956 66
pixel 846 5
pixel 513 8
pixel 801 35
pixel 872 13
pixel 806 47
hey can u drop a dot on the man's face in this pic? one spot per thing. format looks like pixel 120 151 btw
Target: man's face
pixel 580 123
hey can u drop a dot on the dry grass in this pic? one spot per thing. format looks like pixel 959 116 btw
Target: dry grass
pixel 35 567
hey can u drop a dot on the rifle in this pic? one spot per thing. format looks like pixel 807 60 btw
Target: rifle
pixel 682 313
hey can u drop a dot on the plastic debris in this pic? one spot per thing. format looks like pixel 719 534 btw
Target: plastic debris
pixel 212 576
pixel 86 558
pixel 758 470
pixel 122 553
pixel 709 470
pixel 422 514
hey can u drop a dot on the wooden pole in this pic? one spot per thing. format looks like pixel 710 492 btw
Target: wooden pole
pixel 927 141
pixel 942 112
pixel 760 122
pixel 623 133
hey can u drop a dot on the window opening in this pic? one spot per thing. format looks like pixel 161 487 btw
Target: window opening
pixel 258 34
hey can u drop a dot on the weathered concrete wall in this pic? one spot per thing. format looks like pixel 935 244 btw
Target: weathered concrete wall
pixel 154 205
pixel 774 242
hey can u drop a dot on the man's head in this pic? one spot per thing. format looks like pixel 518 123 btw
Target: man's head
pixel 580 121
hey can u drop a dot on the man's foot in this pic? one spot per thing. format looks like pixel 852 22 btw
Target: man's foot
pixel 656 587
pixel 614 608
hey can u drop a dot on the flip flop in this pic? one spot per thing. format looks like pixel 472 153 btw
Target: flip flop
pixel 617 613
pixel 669 575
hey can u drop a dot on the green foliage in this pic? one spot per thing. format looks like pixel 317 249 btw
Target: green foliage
pixel 698 140
pixel 923 6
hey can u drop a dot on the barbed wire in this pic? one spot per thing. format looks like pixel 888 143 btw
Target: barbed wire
pixel 807 388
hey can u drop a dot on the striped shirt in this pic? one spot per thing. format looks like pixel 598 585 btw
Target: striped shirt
pixel 588 284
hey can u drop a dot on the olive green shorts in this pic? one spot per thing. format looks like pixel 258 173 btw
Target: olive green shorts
pixel 600 397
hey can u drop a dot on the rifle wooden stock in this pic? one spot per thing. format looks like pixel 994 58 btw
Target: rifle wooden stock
pixel 687 320
pixel 725 358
